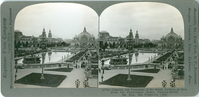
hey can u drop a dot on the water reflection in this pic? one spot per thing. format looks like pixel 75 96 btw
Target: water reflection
pixel 139 58
pixel 51 57
pixel 136 56
pixel 43 57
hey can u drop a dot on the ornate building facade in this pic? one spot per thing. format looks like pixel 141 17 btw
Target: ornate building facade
pixel 83 40
pixel 106 38
pixel 49 37
pixel 32 40
pixel 171 40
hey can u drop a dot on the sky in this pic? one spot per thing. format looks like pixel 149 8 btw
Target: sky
pixel 151 20
pixel 65 20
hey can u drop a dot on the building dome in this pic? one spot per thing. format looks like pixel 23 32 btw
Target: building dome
pixel 18 32
pixel 103 31
pixel 103 34
pixel 84 35
pixel 162 37
pixel 171 35
pixel 179 37
pixel 75 37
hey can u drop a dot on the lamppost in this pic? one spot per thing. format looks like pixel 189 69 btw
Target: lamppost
pixel 130 46
pixel 43 45
pixel 102 70
pixel 43 55
pixel 89 68
pixel 16 70
pixel 130 59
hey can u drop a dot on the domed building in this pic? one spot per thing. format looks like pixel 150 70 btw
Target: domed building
pixel 171 40
pixel 17 35
pixel 103 34
pixel 84 39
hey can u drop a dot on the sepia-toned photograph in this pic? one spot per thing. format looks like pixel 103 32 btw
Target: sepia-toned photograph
pixel 100 48
pixel 56 46
pixel 141 45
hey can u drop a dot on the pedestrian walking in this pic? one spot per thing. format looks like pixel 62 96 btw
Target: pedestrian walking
pixel 85 83
pixel 102 77
pixel 172 84
pixel 77 83
pixel 164 83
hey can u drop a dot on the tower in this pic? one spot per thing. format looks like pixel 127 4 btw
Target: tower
pixel 49 37
pixel 130 40
pixel 44 33
pixel 43 38
pixel 136 38
pixel 130 34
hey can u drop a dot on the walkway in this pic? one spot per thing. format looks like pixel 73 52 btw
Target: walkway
pixel 155 82
pixel 68 82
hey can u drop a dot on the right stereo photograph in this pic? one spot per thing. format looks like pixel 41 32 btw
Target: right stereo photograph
pixel 141 44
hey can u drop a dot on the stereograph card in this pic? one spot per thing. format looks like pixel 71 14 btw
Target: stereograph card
pixel 132 48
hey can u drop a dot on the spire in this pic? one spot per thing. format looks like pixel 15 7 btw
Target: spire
pixel 171 30
pixel 84 29
pixel 163 36
pixel 130 33
pixel 49 31
pixel 130 36
pixel 136 31
pixel 43 29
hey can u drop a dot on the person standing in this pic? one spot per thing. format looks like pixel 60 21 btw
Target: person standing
pixel 77 83
pixel 172 84
pixel 164 83
pixel 85 83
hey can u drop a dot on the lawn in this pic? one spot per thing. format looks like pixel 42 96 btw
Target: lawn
pixel 121 80
pixel 50 80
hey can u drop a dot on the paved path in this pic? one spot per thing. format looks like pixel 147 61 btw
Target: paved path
pixel 155 82
pixel 68 82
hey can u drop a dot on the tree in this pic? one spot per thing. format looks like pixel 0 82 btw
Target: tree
pixel 63 43
pixel 23 44
pixel 26 45
pixel 19 44
pixel 16 45
pixel 106 45
pixel 37 44
pixel 101 44
pixel 113 45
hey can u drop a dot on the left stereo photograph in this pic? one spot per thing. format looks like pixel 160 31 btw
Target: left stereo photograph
pixel 56 46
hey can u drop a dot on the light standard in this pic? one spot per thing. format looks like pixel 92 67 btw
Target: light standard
pixel 102 70
pixel 43 45
pixel 43 55
pixel 16 70
pixel 130 59
pixel 130 46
